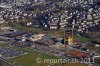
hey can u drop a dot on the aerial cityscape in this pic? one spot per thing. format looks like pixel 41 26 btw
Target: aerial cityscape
pixel 49 32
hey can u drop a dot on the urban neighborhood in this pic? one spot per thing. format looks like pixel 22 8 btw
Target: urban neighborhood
pixel 49 32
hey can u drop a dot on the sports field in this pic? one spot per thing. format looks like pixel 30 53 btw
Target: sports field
pixel 30 60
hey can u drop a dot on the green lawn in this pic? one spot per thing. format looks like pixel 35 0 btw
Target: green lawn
pixel 36 30
pixel 82 38
pixel 4 45
pixel 27 29
pixel 93 48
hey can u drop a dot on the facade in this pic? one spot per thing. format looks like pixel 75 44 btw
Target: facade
pixel 54 22
pixel 58 21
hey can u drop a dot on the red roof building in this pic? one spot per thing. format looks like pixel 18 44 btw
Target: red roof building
pixel 78 54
